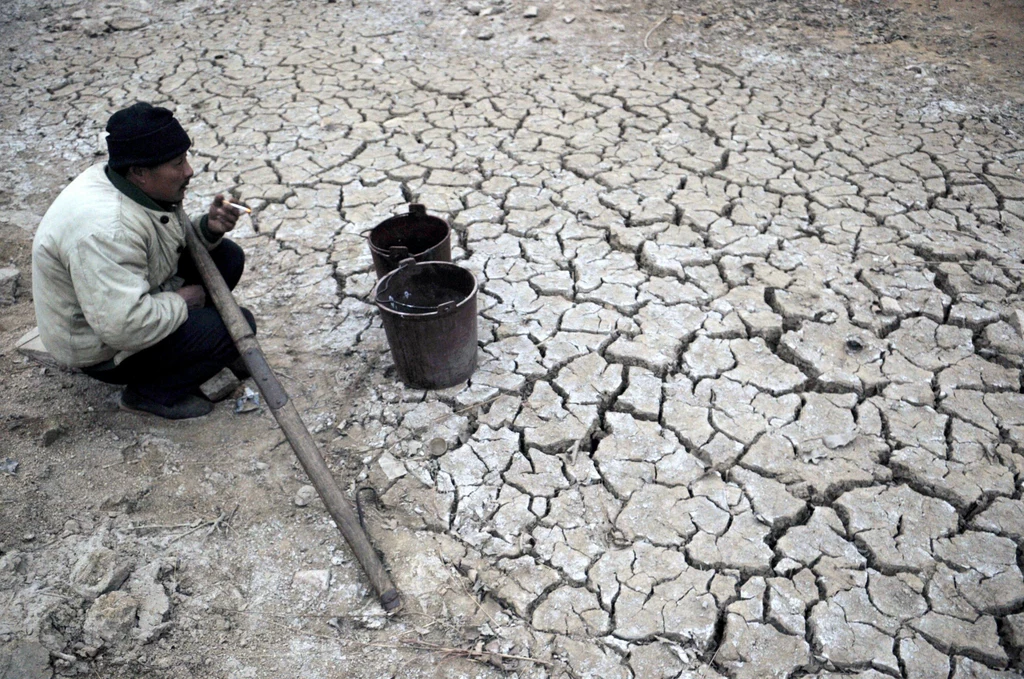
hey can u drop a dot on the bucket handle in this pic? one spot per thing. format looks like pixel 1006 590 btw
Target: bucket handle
pixel 408 261
pixel 417 209
pixel 441 309
pixel 399 252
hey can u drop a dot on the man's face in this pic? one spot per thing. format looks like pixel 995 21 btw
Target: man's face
pixel 165 182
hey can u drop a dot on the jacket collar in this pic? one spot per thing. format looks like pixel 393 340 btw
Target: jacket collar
pixel 122 184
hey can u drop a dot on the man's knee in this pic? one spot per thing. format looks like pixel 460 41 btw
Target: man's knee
pixel 230 260
pixel 249 318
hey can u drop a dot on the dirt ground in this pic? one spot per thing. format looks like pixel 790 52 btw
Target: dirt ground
pixel 204 520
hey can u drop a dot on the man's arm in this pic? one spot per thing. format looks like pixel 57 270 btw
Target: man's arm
pixel 109 271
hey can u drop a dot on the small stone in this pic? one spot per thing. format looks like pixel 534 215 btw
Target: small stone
pixel 97 571
pixel 890 307
pixel 72 527
pixel 304 496
pixel 531 12
pixel 220 386
pixel 111 618
pixel 9 278
pixel 437 447
pixel 132 23
pixel 485 34
pixel 318 581
pixel 569 19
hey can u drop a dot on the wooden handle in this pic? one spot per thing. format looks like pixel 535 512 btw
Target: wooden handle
pixel 288 417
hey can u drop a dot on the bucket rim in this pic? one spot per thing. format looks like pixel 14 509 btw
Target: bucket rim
pixel 433 221
pixel 442 310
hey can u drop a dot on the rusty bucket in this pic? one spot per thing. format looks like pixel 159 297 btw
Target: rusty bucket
pixel 416 235
pixel 429 314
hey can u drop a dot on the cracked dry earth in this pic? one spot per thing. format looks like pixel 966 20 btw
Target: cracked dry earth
pixel 748 401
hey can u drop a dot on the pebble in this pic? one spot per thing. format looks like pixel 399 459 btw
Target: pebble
pixel 51 433
pixel 486 34
pixel 530 12
pixel 317 580
pixel 304 496
pixel 9 278
pixel 111 618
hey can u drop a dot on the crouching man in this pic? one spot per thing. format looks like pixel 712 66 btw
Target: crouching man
pixel 115 289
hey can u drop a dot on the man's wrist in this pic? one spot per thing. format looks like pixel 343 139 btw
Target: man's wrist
pixel 208 234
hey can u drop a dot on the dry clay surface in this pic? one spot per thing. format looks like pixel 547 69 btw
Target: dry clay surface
pixel 748 401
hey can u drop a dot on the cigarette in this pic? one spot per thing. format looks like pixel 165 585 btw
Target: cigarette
pixel 239 207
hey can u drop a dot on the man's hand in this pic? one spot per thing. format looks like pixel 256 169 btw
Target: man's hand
pixel 194 296
pixel 222 217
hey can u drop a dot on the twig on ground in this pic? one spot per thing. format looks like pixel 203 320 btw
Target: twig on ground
pixel 223 521
pixel 654 28
pixel 173 526
pixel 477 405
pixel 472 654
pixel 461 584
pixel 712 661
pixel 419 644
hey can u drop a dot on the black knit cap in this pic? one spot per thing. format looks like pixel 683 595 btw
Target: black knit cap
pixel 144 135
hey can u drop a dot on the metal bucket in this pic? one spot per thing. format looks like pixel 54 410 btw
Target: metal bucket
pixel 429 314
pixel 416 235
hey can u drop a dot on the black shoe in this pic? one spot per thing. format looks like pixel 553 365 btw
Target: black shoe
pixel 187 408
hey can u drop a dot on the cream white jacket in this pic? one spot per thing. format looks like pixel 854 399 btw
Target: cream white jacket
pixel 103 271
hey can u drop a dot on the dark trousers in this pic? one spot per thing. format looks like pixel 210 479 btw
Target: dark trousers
pixel 200 348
